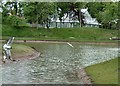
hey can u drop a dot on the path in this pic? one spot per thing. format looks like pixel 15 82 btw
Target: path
pixel 59 41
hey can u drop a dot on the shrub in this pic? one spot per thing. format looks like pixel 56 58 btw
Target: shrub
pixel 15 21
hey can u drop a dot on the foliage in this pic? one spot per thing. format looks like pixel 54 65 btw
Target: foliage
pixel 62 8
pixel 41 12
pixel 71 7
pixel 38 12
pixel 30 12
pixel 12 14
pixel 14 8
pixel 105 12
pixel 0 18
pixel 15 21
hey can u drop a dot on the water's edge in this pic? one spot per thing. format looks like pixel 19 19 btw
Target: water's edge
pixel 58 63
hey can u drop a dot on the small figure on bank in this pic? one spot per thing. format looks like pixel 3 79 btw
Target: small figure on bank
pixel 7 49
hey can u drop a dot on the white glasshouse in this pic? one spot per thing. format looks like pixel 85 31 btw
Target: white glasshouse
pixel 89 21
pixel 68 21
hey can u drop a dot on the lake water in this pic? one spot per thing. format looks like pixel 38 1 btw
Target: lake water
pixel 58 63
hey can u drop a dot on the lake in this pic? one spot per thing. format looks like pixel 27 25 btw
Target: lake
pixel 58 63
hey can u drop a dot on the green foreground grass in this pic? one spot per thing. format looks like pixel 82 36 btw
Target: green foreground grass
pixel 104 73
pixel 62 34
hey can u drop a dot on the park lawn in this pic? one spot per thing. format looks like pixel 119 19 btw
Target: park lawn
pixel 62 34
pixel 104 73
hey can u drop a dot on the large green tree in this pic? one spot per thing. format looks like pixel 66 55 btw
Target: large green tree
pixel 39 12
pixel 12 13
pixel 109 15
pixel 105 12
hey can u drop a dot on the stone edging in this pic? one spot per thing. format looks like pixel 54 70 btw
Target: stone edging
pixel 84 77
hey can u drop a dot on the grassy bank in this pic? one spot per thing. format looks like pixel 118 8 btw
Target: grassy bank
pixel 104 73
pixel 69 34
pixel 19 51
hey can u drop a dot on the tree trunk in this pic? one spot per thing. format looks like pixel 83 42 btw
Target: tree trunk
pixel 47 25
pixel 80 18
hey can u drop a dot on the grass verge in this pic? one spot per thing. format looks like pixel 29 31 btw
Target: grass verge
pixel 19 51
pixel 104 73
pixel 64 34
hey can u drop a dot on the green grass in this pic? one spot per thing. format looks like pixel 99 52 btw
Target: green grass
pixel 18 50
pixel 104 73
pixel 65 34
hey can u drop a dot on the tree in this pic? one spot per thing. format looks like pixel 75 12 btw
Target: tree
pixel 76 8
pixel 15 21
pixel 38 12
pixel 105 12
pixel 108 15
pixel 67 7
pixel 12 11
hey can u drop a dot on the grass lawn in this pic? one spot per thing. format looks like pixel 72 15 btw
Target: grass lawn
pixel 104 73
pixel 18 50
pixel 64 34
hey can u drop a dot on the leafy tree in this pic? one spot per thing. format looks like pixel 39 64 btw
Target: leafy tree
pixel 76 7
pixel 15 21
pixel 62 8
pixel 12 13
pixel 38 12
pixel 105 12
pixel 30 12
pixel 41 12
pixel 66 7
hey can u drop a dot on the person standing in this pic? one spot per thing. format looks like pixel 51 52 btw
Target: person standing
pixel 7 49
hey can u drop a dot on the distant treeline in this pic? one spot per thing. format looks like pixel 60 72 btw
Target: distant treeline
pixel 21 13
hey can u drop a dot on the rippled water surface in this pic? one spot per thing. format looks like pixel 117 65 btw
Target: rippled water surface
pixel 57 64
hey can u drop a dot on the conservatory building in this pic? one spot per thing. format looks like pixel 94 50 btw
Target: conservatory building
pixel 67 22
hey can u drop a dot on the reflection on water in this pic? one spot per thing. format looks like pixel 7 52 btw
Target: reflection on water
pixel 58 63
